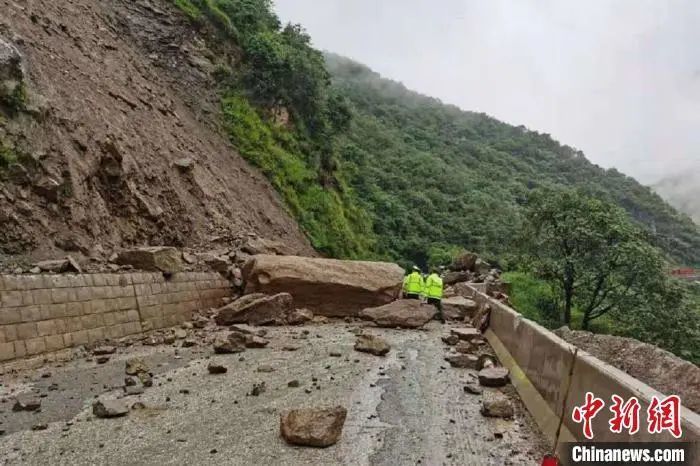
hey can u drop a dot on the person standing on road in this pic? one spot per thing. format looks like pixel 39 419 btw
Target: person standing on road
pixel 433 291
pixel 413 284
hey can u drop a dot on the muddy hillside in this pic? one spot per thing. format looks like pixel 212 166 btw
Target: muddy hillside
pixel 109 137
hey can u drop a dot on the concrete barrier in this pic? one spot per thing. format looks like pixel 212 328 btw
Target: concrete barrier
pixel 543 366
pixel 45 313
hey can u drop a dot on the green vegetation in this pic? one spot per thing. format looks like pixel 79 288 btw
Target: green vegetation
pixel 16 99
pixel 373 170
pixel 7 156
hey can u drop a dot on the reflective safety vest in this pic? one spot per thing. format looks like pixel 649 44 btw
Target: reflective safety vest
pixel 433 286
pixel 413 283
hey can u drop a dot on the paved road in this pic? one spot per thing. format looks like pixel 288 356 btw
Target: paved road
pixel 406 408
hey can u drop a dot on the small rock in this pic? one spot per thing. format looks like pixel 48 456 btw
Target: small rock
pixel 26 403
pixel 464 347
pixel 102 350
pixel 109 408
pixel 293 384
pixel 227 346
pixel 188 343
pixel 102 359
pixel 266 369
pixel 134 366
pixel 496 404
pixel 40 426
pixel 486 361
pixel 335 354
pixel 467 334
pixel 313 427
pixel 372 344
pixel 180 333
pixel 463 361
pixel 473 389
pixel 217 369
pixel 130 390
pixel 290 348
pixel 258 388
pixel 493 376
pixel 254 341
pixel 450 340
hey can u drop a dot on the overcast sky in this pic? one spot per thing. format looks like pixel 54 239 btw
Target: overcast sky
pixel 618 79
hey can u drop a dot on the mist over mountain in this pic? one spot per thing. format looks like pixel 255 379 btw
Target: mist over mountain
pixel 683 192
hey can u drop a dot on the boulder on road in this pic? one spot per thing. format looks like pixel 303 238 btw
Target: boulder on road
pixel 371 344
pixel 496 404
pixel 493 376
pixel 109 408
pixel 405 313
pixel 153 259
pixel 451 278
pixel 233 343
pixel 327 287
pixel 313 427
pixel 256 309
pixel 467 334
pixel 458 308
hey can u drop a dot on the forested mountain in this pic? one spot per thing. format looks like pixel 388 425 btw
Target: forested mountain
pixel 430 172
pixel 373 170
pixel 683 192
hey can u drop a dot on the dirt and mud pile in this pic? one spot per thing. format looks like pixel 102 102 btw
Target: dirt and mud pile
pixel 655 367
pixel 109 136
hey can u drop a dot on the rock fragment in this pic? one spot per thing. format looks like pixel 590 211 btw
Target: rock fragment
pixel 216 368
pixel 134 366
pixel 26 403
pixel 109 408
pixel 493 376
pixel 496 404
pixel 372 344
pixel 463 361
pixel 312 426
pixel 404 313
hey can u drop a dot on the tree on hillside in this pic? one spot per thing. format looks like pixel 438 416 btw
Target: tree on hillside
pixel 598 260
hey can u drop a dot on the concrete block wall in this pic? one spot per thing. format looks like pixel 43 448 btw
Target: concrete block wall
pixel 541 364
pixel 45 313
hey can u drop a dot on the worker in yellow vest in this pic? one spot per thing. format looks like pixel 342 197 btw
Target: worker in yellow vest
pixel 433 291
pixel 413 284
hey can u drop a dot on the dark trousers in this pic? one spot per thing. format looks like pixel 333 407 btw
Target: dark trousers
pixel 437 302
pixel 412 296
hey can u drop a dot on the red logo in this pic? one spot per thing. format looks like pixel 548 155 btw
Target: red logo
pixel 625 415
pixel 587 412
pixel 665 415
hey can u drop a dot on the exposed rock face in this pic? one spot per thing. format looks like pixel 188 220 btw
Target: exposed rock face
pixel 154 259
pixel 313 427
pixel 405 313
pixel 326 286
pixel 10 62
pixel 109 408
pixel 371 344
pixel 258 309
pixel 496 404
pixel 458 308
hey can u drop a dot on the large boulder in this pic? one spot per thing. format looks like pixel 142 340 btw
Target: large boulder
pixel 464 261
pixel 313 427
pixel 458 307
pixel 153 259
pixel 327 287
pixel 257 309
pixel 459 276
pixel 405 313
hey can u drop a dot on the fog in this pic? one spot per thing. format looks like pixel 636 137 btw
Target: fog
pixel 618 79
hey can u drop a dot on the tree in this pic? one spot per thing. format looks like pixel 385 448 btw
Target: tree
pixel 598 260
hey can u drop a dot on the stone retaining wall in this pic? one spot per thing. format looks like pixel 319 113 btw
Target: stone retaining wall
pixel 46 313
pixel 541 363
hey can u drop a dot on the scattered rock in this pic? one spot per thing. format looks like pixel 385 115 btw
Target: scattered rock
pixel 59 266
pixel 188 343
pixel 327 287
pixel 266 369
pixel 216 368
pixel 485 361
pixel 134 366
pixel 293 384
pixel 372 344
pixel 256 309
pixel 299 317
pixel 463 361
pixel 473 388
pixel 450 339
pixel 335 354
pixel 467 334
pixel 26 403
pixel 224 345
pixel 493 377
pixel 154 259
pixel 290 348
pixel 464 347
pixel 135 389
pixel 109 408
pixel 451 278
pixel 102 359
pixel 254 341
pixel 145 378
pixel 40 427
pixel 258 389
pixel 496 404
pixel 313 427
pixel 458 308
pixel 405 313
pixel 102 350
